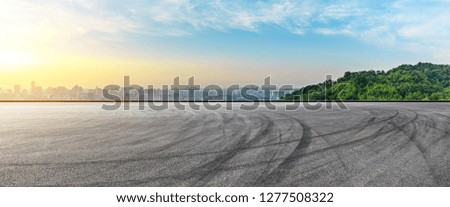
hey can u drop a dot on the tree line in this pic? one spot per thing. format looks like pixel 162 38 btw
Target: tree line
pixel 421 82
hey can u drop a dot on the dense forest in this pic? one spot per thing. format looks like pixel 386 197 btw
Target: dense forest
pixel 424 81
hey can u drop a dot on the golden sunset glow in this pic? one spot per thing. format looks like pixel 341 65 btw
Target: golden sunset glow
pixel 15 59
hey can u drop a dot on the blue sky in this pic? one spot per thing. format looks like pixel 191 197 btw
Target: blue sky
pixel 225 41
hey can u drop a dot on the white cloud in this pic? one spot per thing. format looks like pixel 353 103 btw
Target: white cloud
pixel 328 31
pixel 54 26
pixel 414 25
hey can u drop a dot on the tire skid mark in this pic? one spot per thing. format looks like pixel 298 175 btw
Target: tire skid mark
pixel 302 147
pixel 272 160
pixel 285 166
pixel 208 171
pixel 357 127
pixel 412 138
pixel 423 132
pixel 362 140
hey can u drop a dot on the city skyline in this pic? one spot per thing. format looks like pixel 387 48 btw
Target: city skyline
pixel 77 92
pixel 36 92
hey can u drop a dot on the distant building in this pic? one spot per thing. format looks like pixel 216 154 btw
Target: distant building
pixel 36 91
pixel 58 93
pixel 17 89
pixel 76 93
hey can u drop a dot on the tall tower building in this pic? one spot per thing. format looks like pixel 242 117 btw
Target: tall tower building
pixel 16 89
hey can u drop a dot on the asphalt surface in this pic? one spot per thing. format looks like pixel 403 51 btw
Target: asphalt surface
pixel 371 144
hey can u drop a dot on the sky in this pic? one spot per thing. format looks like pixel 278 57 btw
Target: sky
pixel 97 42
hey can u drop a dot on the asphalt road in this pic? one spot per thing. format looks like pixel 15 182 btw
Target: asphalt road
pixel 371 144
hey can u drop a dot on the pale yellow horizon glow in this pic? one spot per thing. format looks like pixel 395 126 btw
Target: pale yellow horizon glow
pixel 55 45
pixel 36 47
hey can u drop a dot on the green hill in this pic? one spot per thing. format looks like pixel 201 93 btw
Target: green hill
pixel 424 81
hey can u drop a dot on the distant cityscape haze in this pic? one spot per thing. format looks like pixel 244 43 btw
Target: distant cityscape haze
pixel 36 92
